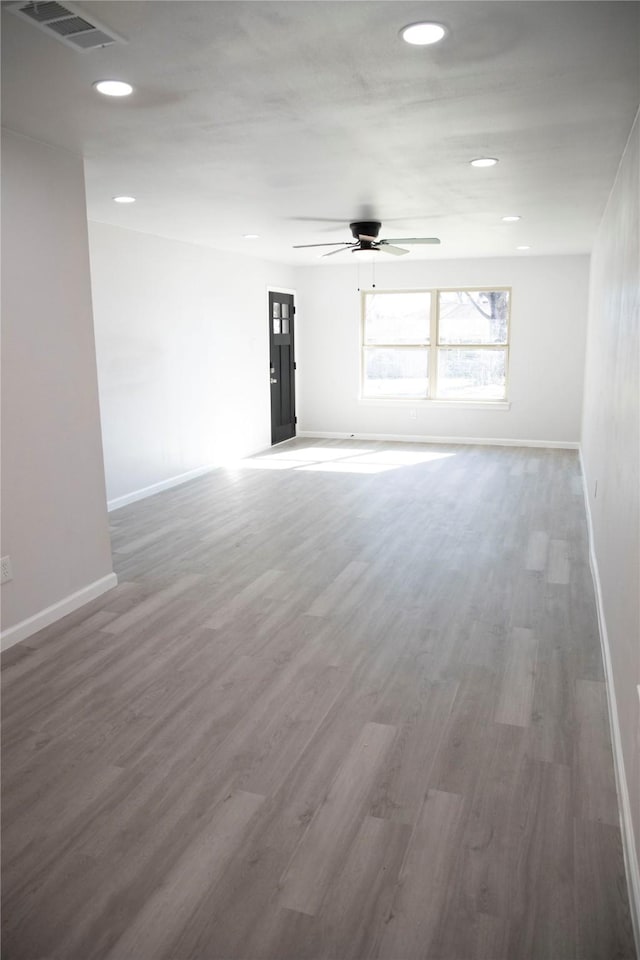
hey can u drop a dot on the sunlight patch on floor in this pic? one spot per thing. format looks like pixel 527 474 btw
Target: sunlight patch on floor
pixel 317 454
pixel 341 460
pixel 400 458
pixel 348 466
pixel 269 463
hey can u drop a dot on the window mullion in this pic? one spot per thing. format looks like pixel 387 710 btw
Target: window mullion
pixel 433 350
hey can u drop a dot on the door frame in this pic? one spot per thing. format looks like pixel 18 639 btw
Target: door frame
pixel 294 293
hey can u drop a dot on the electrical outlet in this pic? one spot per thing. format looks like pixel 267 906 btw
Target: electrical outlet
pixel 413 414
pixel 6 570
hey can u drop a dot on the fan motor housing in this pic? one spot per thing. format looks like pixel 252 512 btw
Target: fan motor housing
pixel 366 228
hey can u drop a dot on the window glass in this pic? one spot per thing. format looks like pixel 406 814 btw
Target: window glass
pixel 396 372
pixel 473 316
pixel 471 374
pixel 397 317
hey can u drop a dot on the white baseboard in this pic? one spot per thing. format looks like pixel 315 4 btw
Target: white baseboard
pixel 482 441
pixel 26 628
pixel 149 491
pixel 632 866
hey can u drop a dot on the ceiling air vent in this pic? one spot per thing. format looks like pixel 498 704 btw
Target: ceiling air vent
pixel 67 23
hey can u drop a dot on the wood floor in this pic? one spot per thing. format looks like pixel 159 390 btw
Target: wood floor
pixel 346 702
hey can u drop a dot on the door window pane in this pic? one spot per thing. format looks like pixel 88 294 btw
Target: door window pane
pixel 471 374
pixel 397 317
pixel 393 372
pixel 473 316
pixel 276 324
pixel 285 323
pixel 276 309
pixel 285 311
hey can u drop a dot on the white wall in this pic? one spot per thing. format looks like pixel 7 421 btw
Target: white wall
pixel 54 519
pixel 611 457
pixel 549 305
pixel 183 355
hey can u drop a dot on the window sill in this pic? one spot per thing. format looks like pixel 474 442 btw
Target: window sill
pixel 437 404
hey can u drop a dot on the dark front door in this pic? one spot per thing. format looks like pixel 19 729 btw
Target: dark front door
pixel 283 398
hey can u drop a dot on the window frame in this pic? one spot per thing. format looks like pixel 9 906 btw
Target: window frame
pixel 433 346
pixel 393 346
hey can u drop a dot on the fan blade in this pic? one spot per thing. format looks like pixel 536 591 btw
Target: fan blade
pixel 302 246
pixel 387 247
pixel 331 253
pixel 341 220
pixel 412 240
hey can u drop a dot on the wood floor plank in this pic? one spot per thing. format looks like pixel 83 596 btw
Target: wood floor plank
pixel 354 915
pixel 537 550
pixel 75 803
pixel 516 689
pixel 424 879
pixel 307 879
pixel 569 624
pixel 477 903
pixel 192 879
pixel 325 603
pixel 421 724
pixel 152 605
pixel 552 708
pixel 260 587
pixel 468 736
pixel 156 534
pixel 602 922
pixel 558 567
pixel 594 781
pixel 541 920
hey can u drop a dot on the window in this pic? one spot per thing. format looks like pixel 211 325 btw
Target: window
pixel 396 344
pixel 439 344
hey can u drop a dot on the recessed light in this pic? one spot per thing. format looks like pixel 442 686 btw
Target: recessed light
pixel 483 162
pixel 422 34
pixel 251 236
pixel 512 219
pixel 113 88
pixel 523 248
pixel 125 199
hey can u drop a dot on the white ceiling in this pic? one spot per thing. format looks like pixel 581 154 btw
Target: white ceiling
pixel 267 117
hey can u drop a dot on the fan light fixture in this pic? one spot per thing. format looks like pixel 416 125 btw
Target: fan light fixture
pixel 483 162
pixel 366 239
pixel 113 88
pixel 512 219
pixel 422 34
pixel 124 199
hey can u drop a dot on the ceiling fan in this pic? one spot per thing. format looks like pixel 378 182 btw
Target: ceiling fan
pixel 365 237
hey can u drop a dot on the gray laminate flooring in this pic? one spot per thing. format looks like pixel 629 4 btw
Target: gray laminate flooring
pixel 346 702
